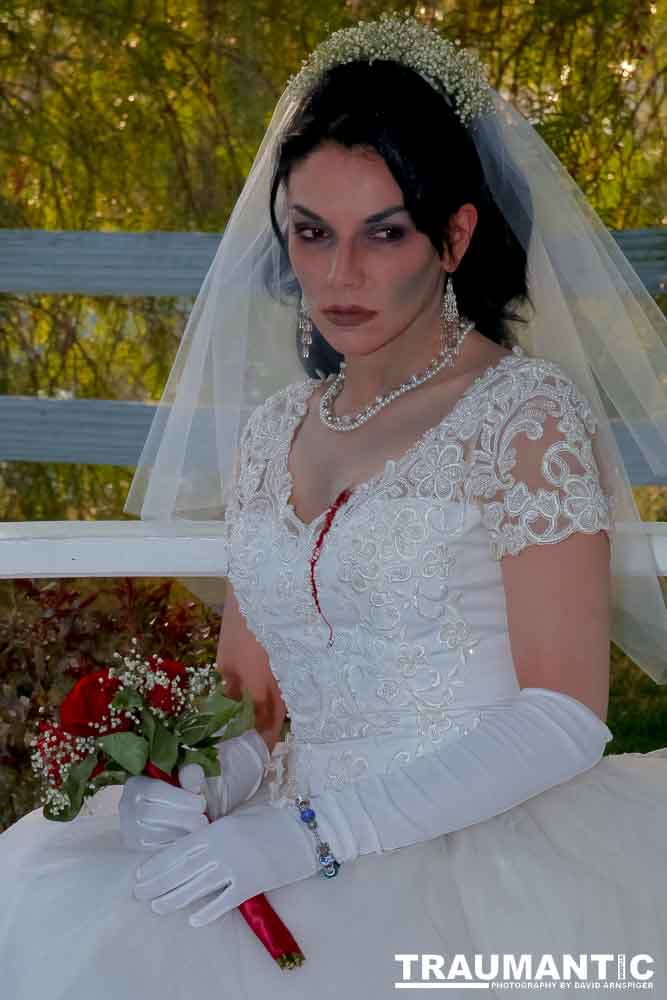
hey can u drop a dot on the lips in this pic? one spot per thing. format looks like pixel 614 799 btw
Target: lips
pixel 348 316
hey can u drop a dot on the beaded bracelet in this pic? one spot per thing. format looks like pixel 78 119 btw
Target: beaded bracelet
pixel 326 859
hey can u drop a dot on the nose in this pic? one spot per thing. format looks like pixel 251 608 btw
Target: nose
pixel 345 270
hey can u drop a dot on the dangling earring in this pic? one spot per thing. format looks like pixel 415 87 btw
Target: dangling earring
pixel 305 329
pixel 449 314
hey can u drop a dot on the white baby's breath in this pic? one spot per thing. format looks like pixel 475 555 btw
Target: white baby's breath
pixel 55 752
pixel 403 39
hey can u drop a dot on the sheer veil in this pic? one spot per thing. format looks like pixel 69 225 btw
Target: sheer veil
pixel 592 315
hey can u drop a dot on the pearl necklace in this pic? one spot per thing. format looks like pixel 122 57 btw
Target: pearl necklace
pixel 350 423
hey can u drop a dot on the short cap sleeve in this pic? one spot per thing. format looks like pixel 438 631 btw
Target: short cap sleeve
pixel 541 480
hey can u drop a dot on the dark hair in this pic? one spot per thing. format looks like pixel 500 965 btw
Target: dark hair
pixel 390 108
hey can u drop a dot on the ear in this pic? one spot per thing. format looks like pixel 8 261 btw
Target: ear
pixel 460 228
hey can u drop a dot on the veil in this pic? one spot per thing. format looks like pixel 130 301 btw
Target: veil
pixel 592 315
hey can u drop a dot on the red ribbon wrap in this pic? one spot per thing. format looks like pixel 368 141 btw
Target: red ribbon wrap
pixel 257 911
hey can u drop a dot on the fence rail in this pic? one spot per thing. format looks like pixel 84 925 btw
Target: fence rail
pixel 100 431
pixel 164 263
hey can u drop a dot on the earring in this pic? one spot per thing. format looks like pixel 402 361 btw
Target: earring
pixel 305 329
pixel 449 314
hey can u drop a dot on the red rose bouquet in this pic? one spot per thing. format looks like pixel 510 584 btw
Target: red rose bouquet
pixel 146 717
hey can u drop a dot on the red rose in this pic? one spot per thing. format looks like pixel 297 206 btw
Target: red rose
pixel 85 711
pixel 163 694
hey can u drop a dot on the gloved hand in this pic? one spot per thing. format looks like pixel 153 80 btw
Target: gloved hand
pixel 154 813
pixel 250 851
pixel 244 761
pixel 541 739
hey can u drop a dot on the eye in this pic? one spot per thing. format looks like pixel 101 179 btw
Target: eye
pixel 309 233
pixel 393 233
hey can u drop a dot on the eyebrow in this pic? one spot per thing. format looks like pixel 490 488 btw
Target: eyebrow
pixel 376 217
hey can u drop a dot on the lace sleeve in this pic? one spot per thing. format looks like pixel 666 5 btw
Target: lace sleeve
pixel 542 481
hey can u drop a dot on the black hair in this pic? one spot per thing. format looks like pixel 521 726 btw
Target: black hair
pixel 388 107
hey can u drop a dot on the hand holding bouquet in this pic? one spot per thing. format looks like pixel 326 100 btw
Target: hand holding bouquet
pixel 146 717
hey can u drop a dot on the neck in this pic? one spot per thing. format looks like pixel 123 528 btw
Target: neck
pixel 407 354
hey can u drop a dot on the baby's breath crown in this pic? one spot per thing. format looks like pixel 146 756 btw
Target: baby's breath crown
pixel 403 39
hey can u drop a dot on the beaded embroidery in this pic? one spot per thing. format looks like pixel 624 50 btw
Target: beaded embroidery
pixel 414 659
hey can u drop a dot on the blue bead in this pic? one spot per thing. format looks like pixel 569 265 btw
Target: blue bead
pixel 307 815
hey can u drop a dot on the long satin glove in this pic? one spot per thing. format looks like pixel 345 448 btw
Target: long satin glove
pixel 543 739
pixel 154 813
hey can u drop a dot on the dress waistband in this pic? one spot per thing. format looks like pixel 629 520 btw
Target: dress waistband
pixel 308 767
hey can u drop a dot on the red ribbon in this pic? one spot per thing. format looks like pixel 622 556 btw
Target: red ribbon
pixel 342 497
pixel 257 911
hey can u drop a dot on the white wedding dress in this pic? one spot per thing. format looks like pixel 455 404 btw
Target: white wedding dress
pixel 409 579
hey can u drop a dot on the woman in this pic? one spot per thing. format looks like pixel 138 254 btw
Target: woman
pixel 425 587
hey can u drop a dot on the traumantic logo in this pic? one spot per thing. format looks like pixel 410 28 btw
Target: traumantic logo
pixel 511 972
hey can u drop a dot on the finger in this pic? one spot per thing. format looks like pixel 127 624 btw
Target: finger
pixel 191 777
pixel 223 904
pixel 169 817
pixel 156 838
pixel 197 888
pixel 154 790
pixel 167 869
pixel 170 881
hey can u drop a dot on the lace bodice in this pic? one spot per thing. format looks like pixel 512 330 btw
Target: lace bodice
pixel 408 576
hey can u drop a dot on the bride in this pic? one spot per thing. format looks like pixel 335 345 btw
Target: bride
pixel 423 572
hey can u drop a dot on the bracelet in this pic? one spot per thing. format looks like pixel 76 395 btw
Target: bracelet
pixel 326 859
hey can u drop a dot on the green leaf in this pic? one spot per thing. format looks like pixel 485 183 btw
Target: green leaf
pixel 127 698
pixel 113 765
pixel 148 721
pixel 202 727
pixel 74 788
pixel 219 705
pixel 207 758
pixel 243 720
pixel 185 720
pixel 109 777
pixel 164 751
pixel 127 749
pixel 210 741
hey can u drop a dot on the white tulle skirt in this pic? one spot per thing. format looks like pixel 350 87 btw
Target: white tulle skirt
pixel 579 869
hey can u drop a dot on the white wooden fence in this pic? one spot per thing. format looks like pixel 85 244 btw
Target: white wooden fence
pixel 67 430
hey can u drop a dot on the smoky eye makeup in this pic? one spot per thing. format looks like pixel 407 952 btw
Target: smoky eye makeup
pixel 386 232
pixel 382 219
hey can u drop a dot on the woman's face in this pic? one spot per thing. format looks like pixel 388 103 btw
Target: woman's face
pixel 352 244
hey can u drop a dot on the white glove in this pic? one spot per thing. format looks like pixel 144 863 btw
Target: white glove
pixel 238 856
pixel 244 762
pixel 154 813
pixel 544 738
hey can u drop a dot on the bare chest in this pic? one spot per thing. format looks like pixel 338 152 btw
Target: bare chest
pixel 323 462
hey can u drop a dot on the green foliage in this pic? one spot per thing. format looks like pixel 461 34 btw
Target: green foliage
pixel 164 748
pixel 637 713
pixel 74 787
pixel 131 751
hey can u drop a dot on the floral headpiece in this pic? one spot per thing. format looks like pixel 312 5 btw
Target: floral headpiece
pixel 404 40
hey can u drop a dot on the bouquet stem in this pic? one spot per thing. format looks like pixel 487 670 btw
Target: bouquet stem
pixel 257 911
